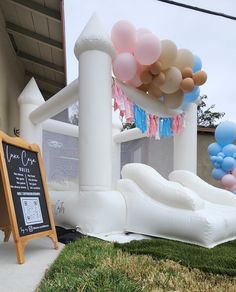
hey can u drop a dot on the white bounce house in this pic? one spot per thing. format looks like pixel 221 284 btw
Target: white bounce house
pixel 183 208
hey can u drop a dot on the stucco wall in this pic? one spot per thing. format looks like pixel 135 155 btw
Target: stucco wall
pixel 204 166
pixel 12 82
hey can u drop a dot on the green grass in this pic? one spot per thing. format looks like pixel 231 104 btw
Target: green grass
pixel 218 260
pixel 94 265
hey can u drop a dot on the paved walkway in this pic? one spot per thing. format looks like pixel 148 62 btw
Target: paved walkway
pixel 39 255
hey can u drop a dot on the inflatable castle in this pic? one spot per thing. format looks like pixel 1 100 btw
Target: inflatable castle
pixel 183 207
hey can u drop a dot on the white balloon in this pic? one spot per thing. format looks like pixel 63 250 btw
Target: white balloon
pixel 184 59
pixel 172 80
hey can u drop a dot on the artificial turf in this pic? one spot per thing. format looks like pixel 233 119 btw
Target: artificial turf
pixel 218 260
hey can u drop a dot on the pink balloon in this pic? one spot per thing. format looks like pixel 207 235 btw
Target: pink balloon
pixel 142 31
pixel 136 82
pixel 147 49
pixel 123 36
pixel 228 180
pixel 233 188
pixel 124 66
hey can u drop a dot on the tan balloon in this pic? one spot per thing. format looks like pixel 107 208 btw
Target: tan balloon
pixel 154 90
pixel 199 78
pixel 159 79
pixel 187 72
pixel 184 59
pixel 146 77
pixel 155 68
pixel 168 54
pixel 173 100
pixel 173 77
pixel 187 84
pixel 143 87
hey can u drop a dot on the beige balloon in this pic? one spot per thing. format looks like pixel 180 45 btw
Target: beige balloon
pixel 146 77
pixel 159 79
pixel 184 59
pixel 173 100
pixel 154 90
pixel 173 77
pixel 168 54
pixel 155 68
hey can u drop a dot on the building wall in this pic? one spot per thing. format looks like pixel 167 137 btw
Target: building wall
pixel 12 82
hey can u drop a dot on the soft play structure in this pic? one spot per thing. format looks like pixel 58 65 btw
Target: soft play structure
pixel 184 207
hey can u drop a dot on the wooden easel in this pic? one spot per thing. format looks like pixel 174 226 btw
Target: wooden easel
pixel 8 216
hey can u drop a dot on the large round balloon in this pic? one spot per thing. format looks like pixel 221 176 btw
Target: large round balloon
pixel 225 133
pixel 168 54
pixel 173 100
pixel 228 180
pixel 214 149
pixel 228 164
pixel 197 66
pixel 147 49
pixel 218 173
pixel 184 59
pixel 141 31
pixel 229 150
pixel 123 36
pixel 124 66
pixel 173 77
pixel 192 96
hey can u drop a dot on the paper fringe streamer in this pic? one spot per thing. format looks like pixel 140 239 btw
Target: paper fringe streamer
pixel 149 124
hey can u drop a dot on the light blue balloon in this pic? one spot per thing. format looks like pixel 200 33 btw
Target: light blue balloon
pixel 234 155
pixel 229 150
pixel 217 173
pixel 219 159
pixel 192 96
pixel 197 66
pixel 225 133
pixel 214 149
pixel 221 154
pixel 213 158
pixel 228 164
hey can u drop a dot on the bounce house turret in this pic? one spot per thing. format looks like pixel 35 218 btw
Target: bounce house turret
pixel 97 201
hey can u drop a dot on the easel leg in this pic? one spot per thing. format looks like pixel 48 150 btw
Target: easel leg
pixel 20 249
pixel 7 233
pixel 54 240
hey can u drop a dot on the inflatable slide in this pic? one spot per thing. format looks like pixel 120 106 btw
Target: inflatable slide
pixel 184 208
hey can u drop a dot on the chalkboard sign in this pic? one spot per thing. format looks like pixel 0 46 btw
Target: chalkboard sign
pixel 26 193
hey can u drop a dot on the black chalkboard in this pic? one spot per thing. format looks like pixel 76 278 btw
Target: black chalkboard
pixel 27 190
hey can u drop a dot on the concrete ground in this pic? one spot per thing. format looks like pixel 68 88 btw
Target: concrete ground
pixel 39 255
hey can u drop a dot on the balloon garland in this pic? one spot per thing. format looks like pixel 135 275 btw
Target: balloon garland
pixel 156 67
pixel 223 155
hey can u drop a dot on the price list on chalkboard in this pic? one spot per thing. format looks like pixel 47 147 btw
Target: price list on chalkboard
pixel 27 190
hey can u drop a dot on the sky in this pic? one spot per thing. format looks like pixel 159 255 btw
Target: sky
pixel 210 37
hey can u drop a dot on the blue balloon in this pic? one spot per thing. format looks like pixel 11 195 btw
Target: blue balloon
pixel 225 133
pixel 221 154
pixel 192 96
pixel 219 159
pixel 197 66
pixel 228 164
pixel 213 158
pixel 229 150
pixel 234 155
pixel 214 149
pixel 217 173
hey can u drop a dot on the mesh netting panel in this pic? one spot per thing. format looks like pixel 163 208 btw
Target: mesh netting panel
pixel 60 156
